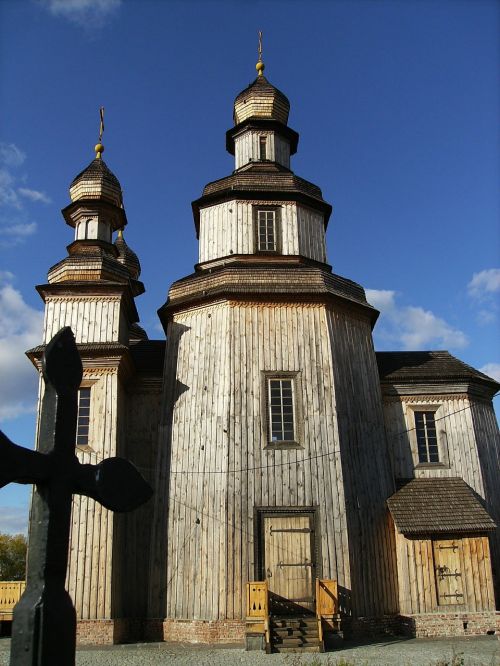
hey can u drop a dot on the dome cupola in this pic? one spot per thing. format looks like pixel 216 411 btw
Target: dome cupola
pixel 261 100
pixel 97 181
pixel 127 256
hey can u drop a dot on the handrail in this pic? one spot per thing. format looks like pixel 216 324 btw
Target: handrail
pixel 10 593
pixel 326 603
pixel 258 605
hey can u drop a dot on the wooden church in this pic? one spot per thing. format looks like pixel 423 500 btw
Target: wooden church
pixel 304 483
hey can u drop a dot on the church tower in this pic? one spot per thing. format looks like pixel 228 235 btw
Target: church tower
pixel 272 450
pixel 92 290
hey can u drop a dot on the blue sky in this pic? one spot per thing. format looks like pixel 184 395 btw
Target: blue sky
pixel 397 107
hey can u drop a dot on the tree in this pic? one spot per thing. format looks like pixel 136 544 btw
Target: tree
pixel 12 556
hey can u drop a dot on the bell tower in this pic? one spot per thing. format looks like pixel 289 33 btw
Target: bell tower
pixel 272 449
pixel 93 291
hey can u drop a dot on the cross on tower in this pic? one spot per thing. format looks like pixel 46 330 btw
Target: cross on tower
pixel 44 628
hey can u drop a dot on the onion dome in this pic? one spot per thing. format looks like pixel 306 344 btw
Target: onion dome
pixel 127 257
pixel 97 181
pixel 261 100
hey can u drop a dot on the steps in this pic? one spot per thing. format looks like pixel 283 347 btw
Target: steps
pixel 295 634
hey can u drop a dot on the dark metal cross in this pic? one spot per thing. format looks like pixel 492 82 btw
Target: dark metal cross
pixel 44 627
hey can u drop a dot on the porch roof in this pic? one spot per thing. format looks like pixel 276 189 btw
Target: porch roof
pixel 437 506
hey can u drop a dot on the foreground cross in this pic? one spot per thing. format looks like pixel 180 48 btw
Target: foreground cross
pixel 44 627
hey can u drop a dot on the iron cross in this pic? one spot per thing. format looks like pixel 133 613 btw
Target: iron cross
pixel 44 627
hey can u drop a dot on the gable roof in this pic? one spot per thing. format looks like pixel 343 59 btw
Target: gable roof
pixel 437 506
pixel 421 366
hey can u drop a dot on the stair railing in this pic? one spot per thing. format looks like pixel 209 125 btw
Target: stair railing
pixel 326 606
pixel 258 606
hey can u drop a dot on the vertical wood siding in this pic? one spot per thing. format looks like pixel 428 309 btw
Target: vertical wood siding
pixel 228 228
pixel 90 569
pixel 247 149
pixel 456 438
pixel 417 582
pixel 221 470
pixel 365 464
pixel 92 319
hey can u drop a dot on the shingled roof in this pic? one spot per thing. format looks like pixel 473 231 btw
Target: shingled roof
pixel 148 356
pixel 420 366
pixel 438 506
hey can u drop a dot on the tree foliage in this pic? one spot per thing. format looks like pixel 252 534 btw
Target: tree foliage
pixel 12 556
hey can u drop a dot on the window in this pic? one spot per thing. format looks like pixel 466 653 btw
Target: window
pixel 282 416
pixel 263 148
pixel 427 445
pixel 83 418
pixel 267 225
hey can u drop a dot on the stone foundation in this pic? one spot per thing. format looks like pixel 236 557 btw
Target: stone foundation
pixel 429 625
pixel 434 625
pixel 204 631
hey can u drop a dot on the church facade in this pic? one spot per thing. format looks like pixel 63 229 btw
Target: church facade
pixel 281 447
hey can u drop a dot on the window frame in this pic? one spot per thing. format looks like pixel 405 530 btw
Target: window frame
pixel 441 439
pixel 85 446
pixel 263 145
pixel 276 230
pixel 294 378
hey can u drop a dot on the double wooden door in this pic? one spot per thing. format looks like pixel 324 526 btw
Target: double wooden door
pixel 288 562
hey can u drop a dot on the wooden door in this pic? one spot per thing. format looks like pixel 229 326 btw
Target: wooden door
pixel 288 561
pixel 448 571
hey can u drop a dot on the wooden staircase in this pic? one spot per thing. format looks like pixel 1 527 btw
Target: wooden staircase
pixel 294 634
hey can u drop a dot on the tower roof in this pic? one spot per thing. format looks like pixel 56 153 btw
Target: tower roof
pixel 261 100
pixel 127 256
pixel 96 181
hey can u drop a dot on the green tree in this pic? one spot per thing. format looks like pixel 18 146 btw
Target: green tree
pixel 12 556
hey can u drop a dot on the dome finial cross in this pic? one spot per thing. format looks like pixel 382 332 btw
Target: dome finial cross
pixel 99 148
pixel 260 65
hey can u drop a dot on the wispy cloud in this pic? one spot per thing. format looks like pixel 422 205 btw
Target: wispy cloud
pixel 16 202
pixel 33 195
pixel 485 283
pixel 20 329
pixel 483 290
pixel 85 13
pixel 492 370
pixel 411 327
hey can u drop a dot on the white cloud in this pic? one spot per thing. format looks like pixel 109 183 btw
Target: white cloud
pixel 492 370
pixel 20 329
pixel 86 13
pixel 484 283
pixel 411 327
pixel 33 195
pixel 14 519
pixel 11 155
pixel 15 201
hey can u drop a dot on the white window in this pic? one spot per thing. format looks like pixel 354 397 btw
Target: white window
pixel 83 418
pixel 427 444
pixel 281 412
pixel 267 228
pixel 281 406
pixel 263 148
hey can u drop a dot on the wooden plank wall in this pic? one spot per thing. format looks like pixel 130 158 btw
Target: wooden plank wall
pixel 228 228
pixel 247 148
pixel 417 585
pixel 92 319
pixel 221 470
pixel 139 416
pixel 456 437
pixel 488 446
pixel 365 463
pixel 89 575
